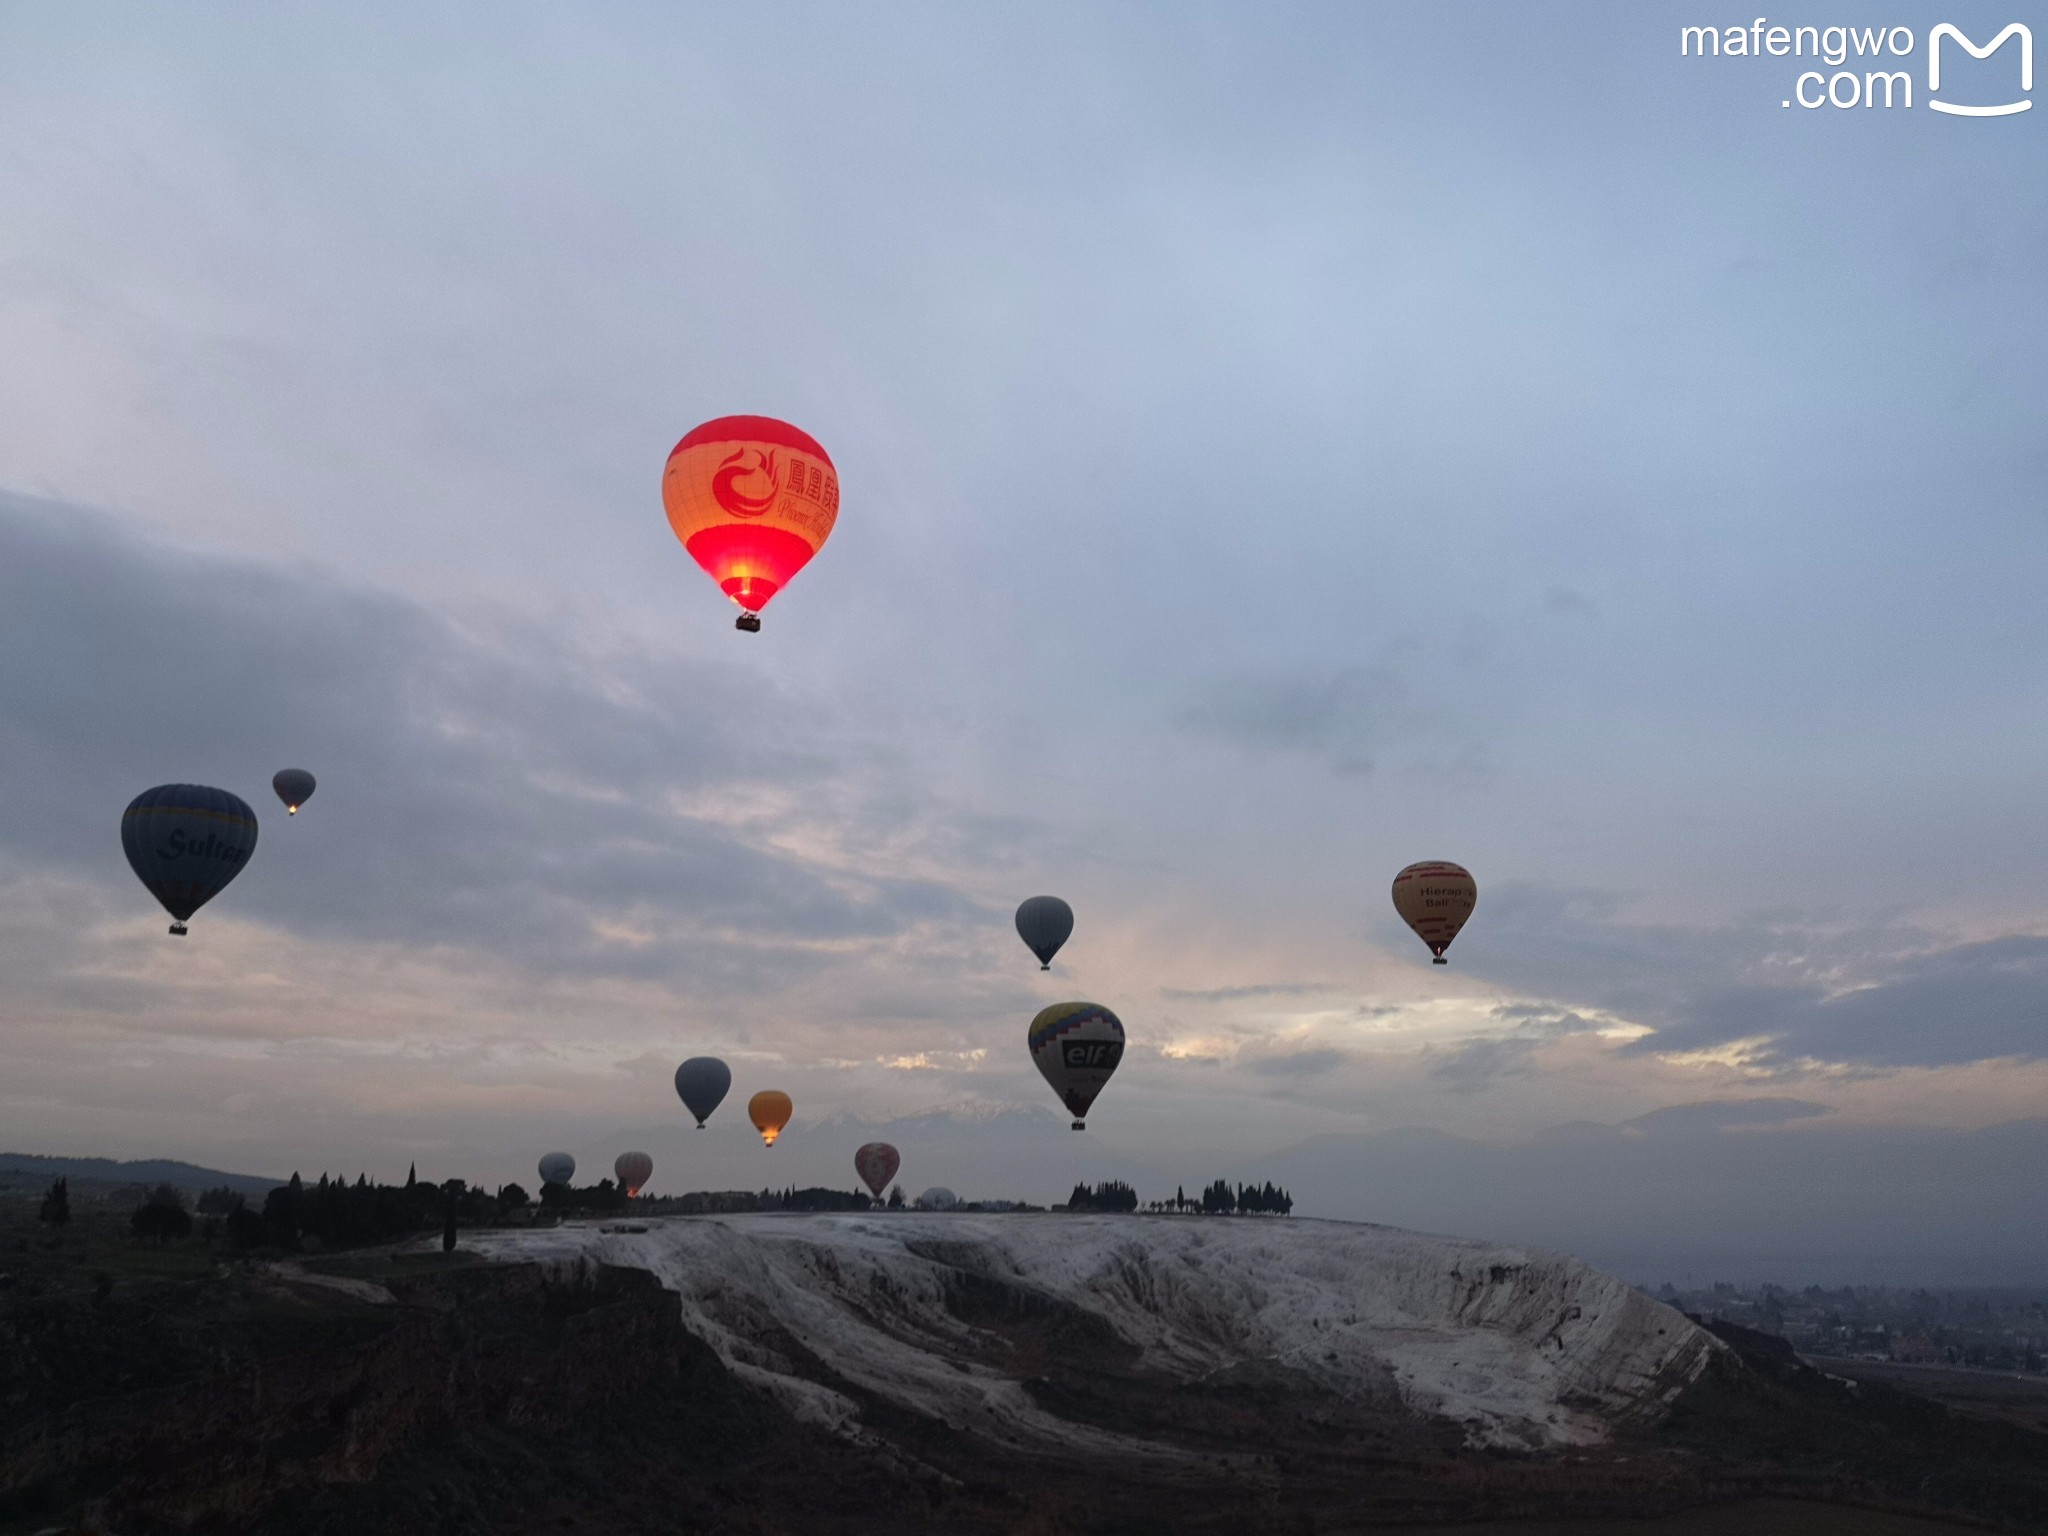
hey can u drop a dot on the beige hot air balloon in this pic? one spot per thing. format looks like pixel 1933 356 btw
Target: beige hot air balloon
pixel 1434 898
pixel 770 1112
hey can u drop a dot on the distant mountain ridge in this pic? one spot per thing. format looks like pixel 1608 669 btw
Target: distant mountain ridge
pixel 148 1170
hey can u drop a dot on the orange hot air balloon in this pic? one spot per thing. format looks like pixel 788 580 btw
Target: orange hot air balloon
pixel 752 499
pixel 770 1112
pixel 1434 898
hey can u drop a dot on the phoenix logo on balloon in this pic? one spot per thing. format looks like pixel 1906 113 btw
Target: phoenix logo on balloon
pixel 732 469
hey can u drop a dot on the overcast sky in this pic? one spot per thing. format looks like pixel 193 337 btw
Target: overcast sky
pixel 1279 443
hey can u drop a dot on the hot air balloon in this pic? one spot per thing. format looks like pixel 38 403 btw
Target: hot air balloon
pixel 1043 923
pixel 770 1112
pixel 876 1163
pixel 294 787
pixel 752 499
pixel 937 1198
pixel 186 842
pixel 633 1170
pixel 701 1083
pixel 557 1168
pixel 1434 898
pixel 1076 1047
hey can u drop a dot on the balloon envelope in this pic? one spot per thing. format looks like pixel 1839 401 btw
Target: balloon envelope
pixel 876 1163
pixel 937 1198
pixel 633 1169
pixel 186 842
pixel 702 1083
pixel 557 1168
pixel 1434 898
pixel 752 499
pixel 294 787
pixel 1043 923
pixel 1076 1046
pixel 770 1112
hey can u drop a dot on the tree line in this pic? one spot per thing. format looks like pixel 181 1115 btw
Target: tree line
pixel 1109 1195
pixel 1219 1199
pixel 334 1213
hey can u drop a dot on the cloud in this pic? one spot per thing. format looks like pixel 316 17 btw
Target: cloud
pixel 1344 717
pixel 1308 1063
pixel 1787 988
pixel 1726 1114
pixel 1966 1002
pixel 1480 1063
pixel 1561 600
pixel 510 791
pixel 1240 994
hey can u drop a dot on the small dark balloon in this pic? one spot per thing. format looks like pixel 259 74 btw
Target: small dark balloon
pixel 294 787
pixel 702 1083
pixel 1044 924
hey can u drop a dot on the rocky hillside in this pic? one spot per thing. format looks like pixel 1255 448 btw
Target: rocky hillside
pixel 862 1375
pixel 968 1320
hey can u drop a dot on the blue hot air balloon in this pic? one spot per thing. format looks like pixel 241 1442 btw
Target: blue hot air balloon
pixel 1044 923
pixel 186 842
pixel 701 1083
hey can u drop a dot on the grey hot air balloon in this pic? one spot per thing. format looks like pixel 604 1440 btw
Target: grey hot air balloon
pixel 294 787
pixel 701 1083
pixel 557 1168
pixel 186 842
pixel 1044 923
pixel 634 1169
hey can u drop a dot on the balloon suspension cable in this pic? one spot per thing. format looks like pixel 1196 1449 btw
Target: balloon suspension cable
pixel 750 622
pixel 178 929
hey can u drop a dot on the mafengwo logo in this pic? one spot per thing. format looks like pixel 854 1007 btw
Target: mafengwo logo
pixel 1866 67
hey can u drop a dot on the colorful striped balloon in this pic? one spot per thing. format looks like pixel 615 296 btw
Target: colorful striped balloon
pixel 1076 1046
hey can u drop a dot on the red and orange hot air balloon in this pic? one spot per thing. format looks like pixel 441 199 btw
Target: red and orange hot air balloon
pixel 752 499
